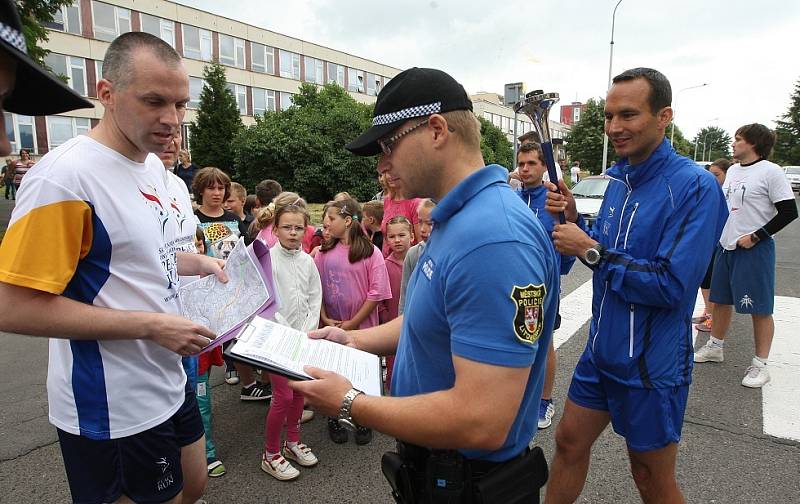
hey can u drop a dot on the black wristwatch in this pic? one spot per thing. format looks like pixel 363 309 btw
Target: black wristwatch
pixel 593 255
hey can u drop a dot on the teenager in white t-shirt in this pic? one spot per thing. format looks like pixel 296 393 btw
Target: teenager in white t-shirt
pixel 105 290
pixel 760 203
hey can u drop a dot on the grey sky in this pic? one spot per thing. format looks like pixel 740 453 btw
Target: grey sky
pixel 747 51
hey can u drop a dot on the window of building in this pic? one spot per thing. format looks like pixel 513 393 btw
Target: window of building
pixel 196 85
pixel 110 21
pixel 240 93
pixel 73 67
pixel 286 100
pixel 98 69
pixel 161 28
pixel 67 19
pixel 290 64
pixel 231 51
pixel 263 101
pixel 373 84
pixel 196 43
pixel 355 80
pixel 335 74
pixel 60 129
pixel 263 58
pixel 21 132
pixel 487 116
pixel 314 70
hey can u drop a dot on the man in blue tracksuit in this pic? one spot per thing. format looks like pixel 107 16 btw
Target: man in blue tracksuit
pixel 660 219
pixel 531 168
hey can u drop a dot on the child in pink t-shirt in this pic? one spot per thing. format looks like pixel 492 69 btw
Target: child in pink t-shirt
pixel 399 234
pixel 354 282
pixel 394 207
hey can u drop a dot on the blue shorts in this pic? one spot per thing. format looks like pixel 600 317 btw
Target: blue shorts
pixel 648 419
pixel 146 467
pixel 745 278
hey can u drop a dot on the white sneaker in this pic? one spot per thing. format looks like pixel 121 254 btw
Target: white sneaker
pixel 307 416
pixel 756 377
pixel 546 412
pixel 301 454
pixel 709 353
pixel 231 377
pixel 279 467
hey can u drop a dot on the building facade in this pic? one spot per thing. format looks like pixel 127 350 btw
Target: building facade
pixel 263 68
pixel 571 114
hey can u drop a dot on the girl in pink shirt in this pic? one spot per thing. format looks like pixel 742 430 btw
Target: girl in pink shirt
pixel 399 234
pixel 354 282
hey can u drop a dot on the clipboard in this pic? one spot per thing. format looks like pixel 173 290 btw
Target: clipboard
pixel 292 349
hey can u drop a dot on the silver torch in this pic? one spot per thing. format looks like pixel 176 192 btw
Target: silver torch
pixel 536 106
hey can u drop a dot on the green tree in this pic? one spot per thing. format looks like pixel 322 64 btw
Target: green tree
pixel 495 147
pixel 217 123
pixel 34 14
pixel 682 146
pixel 712 143
pixel 303 147
pixel 585 142
pixel 787 131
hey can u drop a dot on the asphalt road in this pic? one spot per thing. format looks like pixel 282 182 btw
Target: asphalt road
pixel 724 455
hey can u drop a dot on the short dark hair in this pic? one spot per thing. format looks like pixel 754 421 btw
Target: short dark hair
pixel 721 163
pixel 531 136
pixel 759 136
pixel 249 203
pixel 266 190
pixel 660 90
pixel 207 177
pixel 118 62
pixel 533 147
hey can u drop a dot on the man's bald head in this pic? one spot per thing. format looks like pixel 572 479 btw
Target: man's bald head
pixel 118 64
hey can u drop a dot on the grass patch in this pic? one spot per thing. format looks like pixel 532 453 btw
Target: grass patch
pixel 315 211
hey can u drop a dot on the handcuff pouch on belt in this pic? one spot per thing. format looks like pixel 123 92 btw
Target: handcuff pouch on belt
pixel 420 476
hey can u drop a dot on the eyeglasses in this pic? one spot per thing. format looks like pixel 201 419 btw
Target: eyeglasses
pixel 386 145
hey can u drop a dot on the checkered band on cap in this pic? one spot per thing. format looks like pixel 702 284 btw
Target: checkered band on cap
pixel 408 113
pixel 13 37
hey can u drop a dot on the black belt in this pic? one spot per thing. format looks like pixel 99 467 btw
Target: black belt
pixel 417 455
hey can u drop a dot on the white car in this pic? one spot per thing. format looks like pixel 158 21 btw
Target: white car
pixel 588 194
pixel 793 176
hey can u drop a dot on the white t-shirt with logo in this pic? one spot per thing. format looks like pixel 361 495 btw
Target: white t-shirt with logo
pixel 96 227
pixel 751 192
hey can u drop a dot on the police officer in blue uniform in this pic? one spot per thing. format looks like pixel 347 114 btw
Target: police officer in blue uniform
pixel 659 221
pixel 471 348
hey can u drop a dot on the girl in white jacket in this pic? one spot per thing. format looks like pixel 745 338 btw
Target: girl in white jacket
pixel 300 294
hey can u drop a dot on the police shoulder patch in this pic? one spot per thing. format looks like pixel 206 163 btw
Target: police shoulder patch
pixel 529 316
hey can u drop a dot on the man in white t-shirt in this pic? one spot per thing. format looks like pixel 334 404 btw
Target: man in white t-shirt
pixel 575 172
pixel 105 290
pixel 761 203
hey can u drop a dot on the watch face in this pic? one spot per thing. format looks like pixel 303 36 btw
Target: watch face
pixel 592 256
pixel 347 424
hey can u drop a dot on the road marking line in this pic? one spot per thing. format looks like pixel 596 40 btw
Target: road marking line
pixel 780 397
pixel 575 310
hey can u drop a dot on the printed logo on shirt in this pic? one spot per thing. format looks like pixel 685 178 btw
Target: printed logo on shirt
pixel 153 201
pixel 427 268
pixel 529 316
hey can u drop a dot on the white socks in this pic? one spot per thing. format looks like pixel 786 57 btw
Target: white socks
pixel 759 362
pixel 716 342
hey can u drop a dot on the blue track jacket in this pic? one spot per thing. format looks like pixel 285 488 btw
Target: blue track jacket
pixel 660 221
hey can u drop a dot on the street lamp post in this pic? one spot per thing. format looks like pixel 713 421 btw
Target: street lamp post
pixel 674 109
pixel 610 62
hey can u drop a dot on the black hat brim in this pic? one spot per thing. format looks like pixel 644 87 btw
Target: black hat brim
pixel 367 144
pixel 37 92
